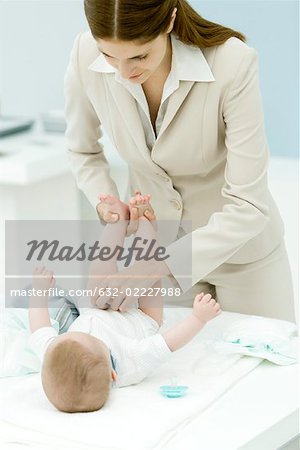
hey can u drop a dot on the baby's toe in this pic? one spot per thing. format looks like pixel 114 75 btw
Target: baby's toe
pixel 140 200
pixel 206 298
pixel 111 199
pixel 103 197
pixel 132 201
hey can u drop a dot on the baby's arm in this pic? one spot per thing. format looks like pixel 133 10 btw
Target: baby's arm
pixel 149 353
pixel 39 317
pixel 205 308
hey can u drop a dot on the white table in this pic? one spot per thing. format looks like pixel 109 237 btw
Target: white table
pixel 36 182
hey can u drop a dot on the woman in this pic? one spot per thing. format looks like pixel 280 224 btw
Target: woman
pixel 179 97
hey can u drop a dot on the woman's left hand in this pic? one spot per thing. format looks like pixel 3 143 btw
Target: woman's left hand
pixel 124 288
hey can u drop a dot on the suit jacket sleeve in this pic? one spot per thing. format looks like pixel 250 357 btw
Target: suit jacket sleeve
pixel 245 211
pixel 86 156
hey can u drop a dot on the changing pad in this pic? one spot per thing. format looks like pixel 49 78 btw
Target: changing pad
pixel 135 417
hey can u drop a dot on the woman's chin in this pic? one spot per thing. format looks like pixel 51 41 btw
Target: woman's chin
pixel 139 80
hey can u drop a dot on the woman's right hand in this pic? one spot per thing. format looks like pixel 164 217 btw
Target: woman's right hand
pixel 105 214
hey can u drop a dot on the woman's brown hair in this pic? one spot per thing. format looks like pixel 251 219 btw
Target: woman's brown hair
pixel 145 20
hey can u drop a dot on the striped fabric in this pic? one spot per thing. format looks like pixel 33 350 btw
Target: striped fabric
pixel 62 309
pixel 65 314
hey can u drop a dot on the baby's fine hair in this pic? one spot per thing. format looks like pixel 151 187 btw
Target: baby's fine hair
pixel 74 378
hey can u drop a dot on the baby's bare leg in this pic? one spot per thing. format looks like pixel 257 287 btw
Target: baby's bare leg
pixel 112 236
pixel 151 304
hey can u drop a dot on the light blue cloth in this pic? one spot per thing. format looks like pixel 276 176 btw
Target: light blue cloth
pixel 271 339
pixel 15 355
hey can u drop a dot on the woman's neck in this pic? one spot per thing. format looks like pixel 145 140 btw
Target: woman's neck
pixel 162 73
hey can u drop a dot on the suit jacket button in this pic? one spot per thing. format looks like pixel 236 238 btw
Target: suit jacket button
pixel 164 177
pixel 177 205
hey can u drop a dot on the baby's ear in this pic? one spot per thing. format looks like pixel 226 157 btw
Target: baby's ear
pixel 114 375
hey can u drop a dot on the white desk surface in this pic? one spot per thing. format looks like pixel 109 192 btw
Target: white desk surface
pixel 30 157
pixel 33 156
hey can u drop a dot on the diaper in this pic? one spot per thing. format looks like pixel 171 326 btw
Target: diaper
pixel 143 324
pixel 271 339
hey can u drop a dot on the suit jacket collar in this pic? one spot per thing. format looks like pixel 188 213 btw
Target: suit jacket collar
pixel 190 63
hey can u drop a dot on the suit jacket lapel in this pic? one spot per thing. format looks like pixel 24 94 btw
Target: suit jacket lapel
pixel 128 109
pixel 126 104
pixel 174 103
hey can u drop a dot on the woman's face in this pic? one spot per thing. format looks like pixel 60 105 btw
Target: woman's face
pixel 137 62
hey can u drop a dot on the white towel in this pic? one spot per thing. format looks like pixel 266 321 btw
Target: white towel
pixel 271 339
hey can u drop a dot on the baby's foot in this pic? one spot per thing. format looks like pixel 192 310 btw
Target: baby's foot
pixel 205 307
pixel 115 206
pixel 141 203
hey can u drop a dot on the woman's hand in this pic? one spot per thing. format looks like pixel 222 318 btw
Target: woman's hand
pixel 134 220
pixel 125 287
pixel 104 212
pixel 108 216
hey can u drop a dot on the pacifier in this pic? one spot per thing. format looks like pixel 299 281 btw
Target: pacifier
pixel 173 390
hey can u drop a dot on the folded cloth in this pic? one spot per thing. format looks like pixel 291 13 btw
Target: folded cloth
pixel 271 339
pixel 15 354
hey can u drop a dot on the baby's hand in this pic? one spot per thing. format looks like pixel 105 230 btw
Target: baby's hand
pixel 42 279
pixel 205 307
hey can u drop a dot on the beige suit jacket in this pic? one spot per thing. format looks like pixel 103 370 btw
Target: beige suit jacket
pixel 207 171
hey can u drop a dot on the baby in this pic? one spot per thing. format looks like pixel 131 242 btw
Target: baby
pixel 105 347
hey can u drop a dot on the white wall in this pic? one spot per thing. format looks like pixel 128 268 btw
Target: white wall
pixel 36 37
pixel 35 42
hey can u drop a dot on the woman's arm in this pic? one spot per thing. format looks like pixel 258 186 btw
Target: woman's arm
pixel 246 199
pixel 135 279
pixel 88 163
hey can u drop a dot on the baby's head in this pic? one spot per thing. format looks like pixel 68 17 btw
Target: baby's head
pixel 77 372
